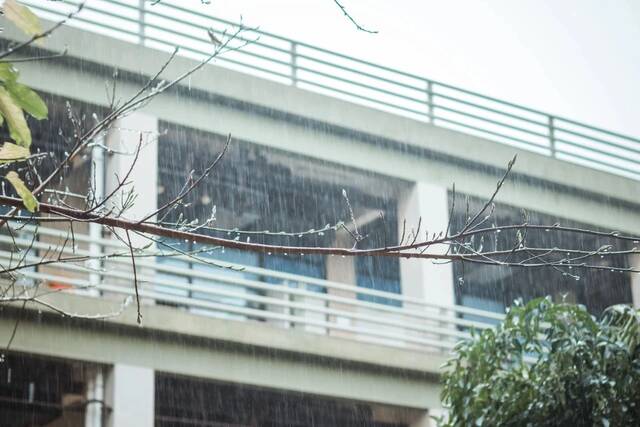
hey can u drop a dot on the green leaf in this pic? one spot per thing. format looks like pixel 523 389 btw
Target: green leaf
pixel 8 74
pixel 24 96
pixel 12 113
pixel 28 100
pixel 22 17
pixel 10 153
pixel 28 199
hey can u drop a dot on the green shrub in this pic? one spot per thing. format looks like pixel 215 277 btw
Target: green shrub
pixel 548 364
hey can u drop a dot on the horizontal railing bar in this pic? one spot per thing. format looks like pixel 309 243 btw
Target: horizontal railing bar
pixel 144 293
pixel 132 6
pixel 602 141
pixel 598 129
pixel 492 99
pixel 144 263
pixel 212 290
pixel 596 162
pixel 363 97
pixel 495 122
pixel 596 150
pixel 489 109
pixel 281 276
pixel 183 34
pixel 257 271
pixel 222 59
pixel 219 58
pixel 89 21
pixel 88 7
pixel 514 139
pixel 359 73
pixel 237 37
pixel 223 21
pixel 364 85
pixel 247 283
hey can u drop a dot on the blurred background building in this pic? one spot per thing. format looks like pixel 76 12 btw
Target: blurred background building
pixel 290 340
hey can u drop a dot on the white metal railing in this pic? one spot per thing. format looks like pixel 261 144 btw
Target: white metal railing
pixel 172 23
pixel 246 293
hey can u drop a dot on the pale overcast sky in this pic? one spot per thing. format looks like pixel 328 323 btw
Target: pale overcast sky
pixel 576 58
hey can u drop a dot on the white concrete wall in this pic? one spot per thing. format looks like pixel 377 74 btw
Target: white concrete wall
pixel 634 261
pixel 130 392
pixel 430 281
pixel 125 136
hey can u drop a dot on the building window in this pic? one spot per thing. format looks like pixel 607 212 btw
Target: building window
pixel 494 288
pixel 256 189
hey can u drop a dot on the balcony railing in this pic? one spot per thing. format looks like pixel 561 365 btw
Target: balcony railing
pixel 170 23
pixel 243 293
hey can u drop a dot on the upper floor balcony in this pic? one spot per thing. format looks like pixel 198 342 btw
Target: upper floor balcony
pixel 165 25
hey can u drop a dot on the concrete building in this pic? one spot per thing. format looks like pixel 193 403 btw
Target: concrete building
pixel 290 340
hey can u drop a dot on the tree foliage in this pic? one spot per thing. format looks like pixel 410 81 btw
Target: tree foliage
pixel 548 364
pixel 17 99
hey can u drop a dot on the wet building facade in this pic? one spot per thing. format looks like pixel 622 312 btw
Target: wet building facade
pixel 286 340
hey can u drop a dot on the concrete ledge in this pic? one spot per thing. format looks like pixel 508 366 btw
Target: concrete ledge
pixel 250 333
pixel 174 341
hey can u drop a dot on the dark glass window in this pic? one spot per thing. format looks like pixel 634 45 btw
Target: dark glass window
pixel 255 188
pixel 182 401
pixel 493 288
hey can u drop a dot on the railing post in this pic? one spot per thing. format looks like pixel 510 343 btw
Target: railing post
pixel 142 24
pixel 430 100
pixel 552 137
pixel 294 63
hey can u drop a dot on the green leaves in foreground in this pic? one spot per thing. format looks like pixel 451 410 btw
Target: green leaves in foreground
pixel 14 117
pixel 15 99
pixel 28 199
pixel 10 153
pixel 548 364
pixel 22 17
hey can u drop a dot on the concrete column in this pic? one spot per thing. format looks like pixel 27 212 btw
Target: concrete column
pixel 341 270
pixel 94 413
pixel 422 278
pixel 130 393
pixel 124 137
pixel 430 282
pixel 634 261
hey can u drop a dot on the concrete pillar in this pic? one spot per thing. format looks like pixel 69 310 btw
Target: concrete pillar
pixel 634 261
pixel 124 137
pixel 427 205
pixel 341 270
pixel 424 279
pixel 130 393
pixel 94 413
